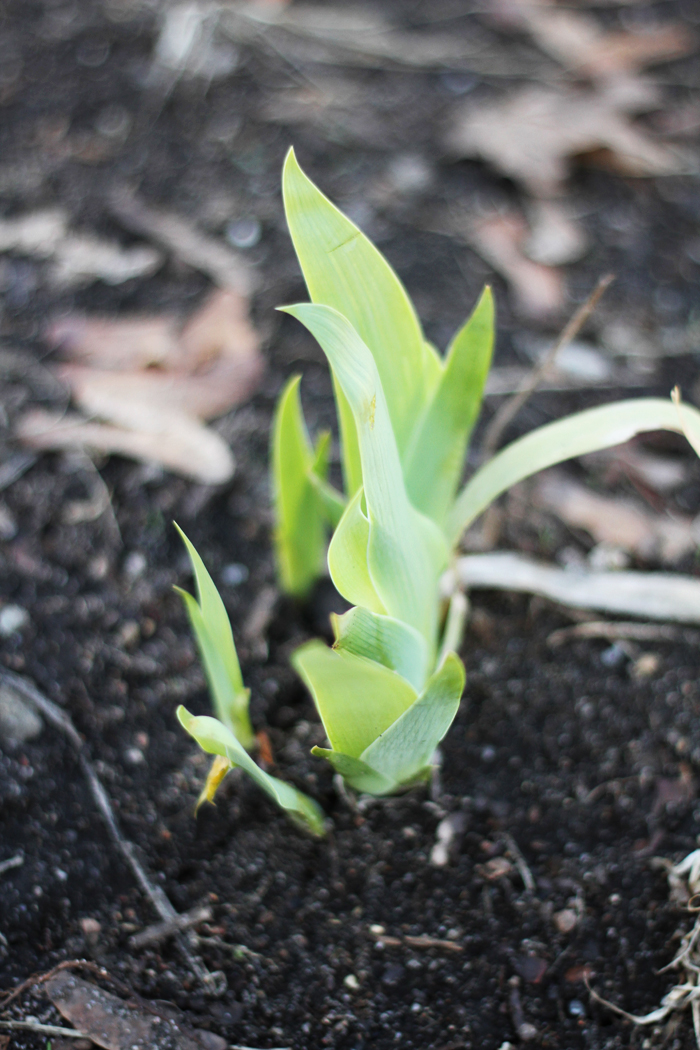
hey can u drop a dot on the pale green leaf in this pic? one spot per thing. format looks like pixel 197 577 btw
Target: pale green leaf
pixel 347 557
pixel 349 447
pixel 406 550
pixel 215 738
pixel 331 502
pixel 436 459
pixel 384 639
pixel 212 631
pixel 343 269
pixel 356 773
pixel 403 752
pixel 356 698
pixel 577 435
pixel 300 516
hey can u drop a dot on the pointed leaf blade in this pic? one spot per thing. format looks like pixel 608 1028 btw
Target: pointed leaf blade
pixel 436 460
pixel 356 698
pixel 214 637
pixel 588 431
pixel 214 737
pixel 406 551
pixel 404 750
pixel 300 534
pixel 343 269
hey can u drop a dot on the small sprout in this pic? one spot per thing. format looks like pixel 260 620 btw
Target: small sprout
pixel 228 735
pixel 391 684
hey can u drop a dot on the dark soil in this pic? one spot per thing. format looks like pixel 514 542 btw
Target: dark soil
pixel 566 753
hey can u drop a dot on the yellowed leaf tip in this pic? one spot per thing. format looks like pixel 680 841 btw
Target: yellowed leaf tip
pixel 218 770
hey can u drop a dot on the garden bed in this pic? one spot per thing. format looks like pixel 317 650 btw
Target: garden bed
pixel 568 769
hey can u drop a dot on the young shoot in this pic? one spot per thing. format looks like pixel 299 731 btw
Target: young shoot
pixel 390 686
pixel 230 735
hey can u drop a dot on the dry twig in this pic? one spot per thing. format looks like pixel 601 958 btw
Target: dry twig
pixel 215 983
pixel 509 409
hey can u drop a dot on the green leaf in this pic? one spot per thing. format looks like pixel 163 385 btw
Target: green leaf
pixel 343 269
pixel 300 513
pixel 403 752
pixel 349 447
pixel 215 738
pixel 384 639
pixel 347 557
pixel 436 459
pixel 356 698
pixel 212 630
pixel 576 435
pixel 406 551
pixel 332 502
pixel 357 774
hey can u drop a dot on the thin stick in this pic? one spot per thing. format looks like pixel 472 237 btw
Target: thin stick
pixel 213 982
pixel 509 409
pixel 43 1029
pixel 612 630
pixel 12 862
pixel 521 864
pixel 161 930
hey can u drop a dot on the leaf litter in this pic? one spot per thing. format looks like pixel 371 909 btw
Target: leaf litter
pixel 535 132
pixel 116 1024
pixel 146 385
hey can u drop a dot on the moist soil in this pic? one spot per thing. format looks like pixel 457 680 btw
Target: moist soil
pixel 567 768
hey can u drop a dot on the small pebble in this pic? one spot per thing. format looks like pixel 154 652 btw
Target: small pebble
pixel 527 1032
pixel 244 233
pixel 8 525
pixel 12 618
pixel 91 929
pixel 134 756
pixel 128 634
pixel 234 574
pixel 410 173
pixel 135 565
pixel 613 656
pixel 113 122
pixel 576 1008
pixel 18 721
pixel 351 982
pixel 566 920
pixel 646 665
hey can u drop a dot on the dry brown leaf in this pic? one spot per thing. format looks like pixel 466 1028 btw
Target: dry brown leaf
pixel 181 444
pixel 153 386
pixel 616 521
pixel 212 366
pixel 114 343
pixel 532 135
pixel 579 43
pixel 499 239
pixel 75 258
pixel 115 1024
